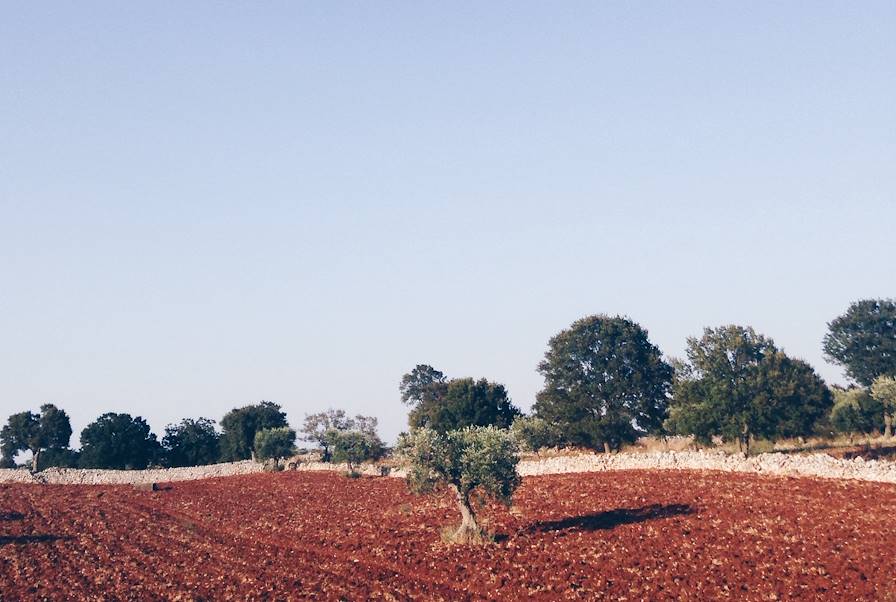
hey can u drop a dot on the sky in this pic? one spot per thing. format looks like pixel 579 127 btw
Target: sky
pixel 204 205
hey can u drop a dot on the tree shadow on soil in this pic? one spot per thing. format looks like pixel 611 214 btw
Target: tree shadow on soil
pixel 612 518
pixel 4 516
pixel 23 539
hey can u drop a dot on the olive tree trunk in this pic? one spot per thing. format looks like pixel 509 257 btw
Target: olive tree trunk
pixel 743 442
pixel 888 425
pixel 469 530
pixel 35 460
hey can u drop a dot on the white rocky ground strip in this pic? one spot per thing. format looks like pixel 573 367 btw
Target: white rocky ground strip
pixel 810 465
pixel 79 476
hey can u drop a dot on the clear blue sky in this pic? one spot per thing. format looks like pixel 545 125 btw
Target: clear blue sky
pixel 204 205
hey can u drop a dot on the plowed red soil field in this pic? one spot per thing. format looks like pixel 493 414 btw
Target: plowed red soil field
pixel 633 535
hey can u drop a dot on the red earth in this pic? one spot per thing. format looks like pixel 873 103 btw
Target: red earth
pixel 629 535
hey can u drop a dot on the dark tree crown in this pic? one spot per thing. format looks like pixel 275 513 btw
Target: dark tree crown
pixel 863 340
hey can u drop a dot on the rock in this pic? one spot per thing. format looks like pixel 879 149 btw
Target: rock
pixel 146 486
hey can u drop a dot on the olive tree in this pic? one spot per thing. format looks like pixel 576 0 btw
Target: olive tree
pixel 533 433
pixel 855 411
pixel 278 442
pixel 883 389
pixel 473 463
pixel 354 447
pixel 324 428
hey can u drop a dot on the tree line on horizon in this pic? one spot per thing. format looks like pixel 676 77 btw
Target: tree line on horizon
pixel 606 385
pixel 121 441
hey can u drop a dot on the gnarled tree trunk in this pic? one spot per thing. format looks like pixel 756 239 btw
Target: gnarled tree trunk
pixel 469 530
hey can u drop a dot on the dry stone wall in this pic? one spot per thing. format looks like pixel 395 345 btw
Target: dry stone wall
pixel 809 465
pixel 82 476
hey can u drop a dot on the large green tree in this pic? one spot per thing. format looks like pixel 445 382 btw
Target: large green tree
pixel 738 385
pixel 863 340
pixel 241 424
pixel 464 402
pixel 118 441
pixel 27 431
pixel 605 383
pixel 191 443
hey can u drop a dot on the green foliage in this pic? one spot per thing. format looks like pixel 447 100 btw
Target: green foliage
pixel 27 431
pixel 605 383
pixel 533 433
pixel 863 340
pixel 21 432
pixel 241 424
pixel 354 447
pixel 474 459
pixel 118 441
pixel 423 384
pixel 463 402
pixel 323 427
pixel 317 429
pixel 279 442
pixel 855 411
pixel 883 390
pixel 191 443
pixel 478 462
pixel 738 385
pixel 59 457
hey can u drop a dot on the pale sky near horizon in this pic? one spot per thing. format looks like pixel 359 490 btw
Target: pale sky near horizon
pixel 203 205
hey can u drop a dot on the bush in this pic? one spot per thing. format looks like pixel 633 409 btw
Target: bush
pixel 354 447
pixel 475 461
pixel 533 433
pixel 855 411
pixel 274 443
